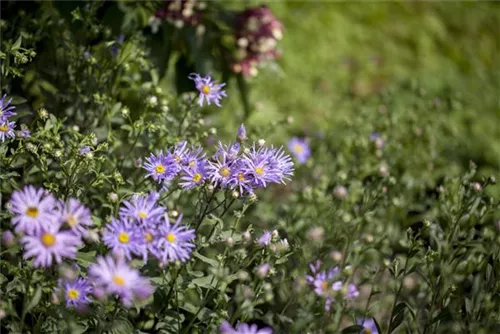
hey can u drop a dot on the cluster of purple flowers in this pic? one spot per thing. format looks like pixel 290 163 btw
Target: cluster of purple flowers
pixel 231 167
pixel 180 12
pixel 6 126
pixel 143 229
pixel 52 229
pixel 328 284
pixel 257 33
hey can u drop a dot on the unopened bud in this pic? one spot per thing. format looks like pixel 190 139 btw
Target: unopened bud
pixel 340 192
pixel 263 270
pixel 7 239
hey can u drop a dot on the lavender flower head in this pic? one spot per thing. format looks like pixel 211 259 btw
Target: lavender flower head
pixel 265 239
pixel 241 136
pixel 117 278
pixel 300 149
pixel 122 237
pixel 50 245
pixel 7 130
pixel 209 90
pixel 369 325
pixel 84 150
pixel 33 210
pixel 142 208
pixel 162 167
pixel 194 176
pixel 243 328
pixel 174 241
pixel 24 133
pixel 75 292
pixel 193 157
pixel 6 110
pixel 75 215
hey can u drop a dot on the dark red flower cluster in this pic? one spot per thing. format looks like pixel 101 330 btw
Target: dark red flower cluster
pixel 181 12
pixel 257 33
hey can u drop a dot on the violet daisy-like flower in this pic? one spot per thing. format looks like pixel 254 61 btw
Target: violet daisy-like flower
pixel 6 110
pixel 149 245
pixel 76 216
pixel 352 291
pixel 179 153
pixel 321 281
pixel 75 292
pixel 50 245
pixel 209 90
pixel 221 170
pixel 193 157
pixel 84 150
pixel 117 278
pixel 7 130
pixel 229 151
pixel 369 326
pixel 161 167
pixel 241 179
pixel 281 163
pixel 142 208
pixel 194 177
pixel 300 149
pixel 175 241
pixel 243 328
pixel 257 164
pixel 122 238
pixel 265 238
pixel 33 210
pixel 24 133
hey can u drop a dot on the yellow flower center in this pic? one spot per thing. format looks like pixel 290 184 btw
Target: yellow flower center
pixel 298 148
pixel 148 237
pixel 324 285
pixel 191 163
pixel 73 294
pixel 170 237
pixel 259 170
pixel 71 220
pixel 205 89
pixel 224 172
pixel 160 169
pixel 119 280
pixel 3 128
pixel 367 331
pixel 123 238
pixel 177 158
pixel 48 240
pixel 32 211
pixel 197 177
pixel 142 215
pixel 241 177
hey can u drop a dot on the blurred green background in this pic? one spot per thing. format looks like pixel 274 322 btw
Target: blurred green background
pixel 336 52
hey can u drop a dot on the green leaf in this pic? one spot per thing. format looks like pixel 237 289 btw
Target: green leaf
pixel 205 259
pixel 84 259
pixel 17 44
pixel 353 329
pixel 35 300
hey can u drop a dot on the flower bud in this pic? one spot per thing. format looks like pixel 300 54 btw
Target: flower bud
pixel 230 242
pixel 242 134
pixel 263 270
pixel 261 142
pixel 477 187
pixel 113 197
pixel 316 233
pixel 340 192
pixel 7 239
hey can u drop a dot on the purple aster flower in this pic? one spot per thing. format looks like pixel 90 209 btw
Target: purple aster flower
pixel 7 130
pixel 209 90
pixel 6 110
pixel 180 151
pixel 352 291
pixel 257 165
pixel 281 163
pixel 243 328
pixel 84 150
pixel 117 278
pixel 299 149
pixel 142 208
pixel 229 151
pixel 175 241
pixel 241 180
pixel 221 170
pixel 33 209
pixel 75 215
pixel 50 244
pixel 122 238
pixel 241 136
pixel 24 133
pixel 265 238
pixel 149 244
pixel 193 157
pixel 194 177
pixel 368 324
pixel 75 292
pixel 161 167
